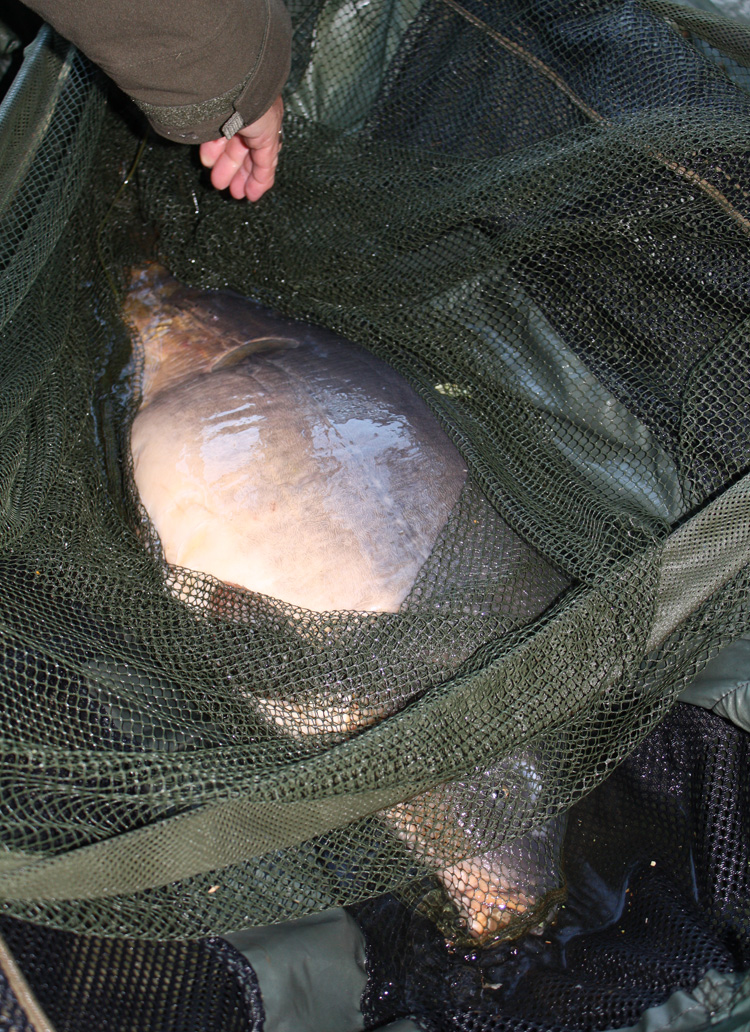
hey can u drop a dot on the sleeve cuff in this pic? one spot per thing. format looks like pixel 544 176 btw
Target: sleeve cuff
pixel 243 104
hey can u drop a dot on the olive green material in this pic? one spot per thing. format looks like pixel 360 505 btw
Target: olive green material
pixel 726 34
pixel 556 255
pixel 311 972
pixel 724 684
pixel 719 1001
pixel 49 121
pixel 365 39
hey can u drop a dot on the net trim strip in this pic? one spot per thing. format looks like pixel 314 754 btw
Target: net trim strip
pixel 231 831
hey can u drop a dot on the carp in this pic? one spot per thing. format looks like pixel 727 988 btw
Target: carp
pixel 279 458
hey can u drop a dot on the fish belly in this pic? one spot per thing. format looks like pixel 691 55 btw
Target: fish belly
pixel 282 459
pixel 313 474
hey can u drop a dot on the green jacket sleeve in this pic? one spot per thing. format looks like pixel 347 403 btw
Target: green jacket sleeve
pixel 191 65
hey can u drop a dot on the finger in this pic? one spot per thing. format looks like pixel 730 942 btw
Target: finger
pixel 237 186
pixel 261 179
pixel 228 163
pixel 262 172
pixel 255 175
pixel 211 150
pixel 266 157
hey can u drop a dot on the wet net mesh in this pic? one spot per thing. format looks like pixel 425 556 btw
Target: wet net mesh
pixel 657 865
pixel 538 214
pixel 656 862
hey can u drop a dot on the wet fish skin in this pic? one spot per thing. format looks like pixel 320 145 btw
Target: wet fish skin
pixel 283 459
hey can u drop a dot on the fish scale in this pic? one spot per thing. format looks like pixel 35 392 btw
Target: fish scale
pixel 280 458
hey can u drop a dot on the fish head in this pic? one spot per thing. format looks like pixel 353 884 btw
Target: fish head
pixel 181 332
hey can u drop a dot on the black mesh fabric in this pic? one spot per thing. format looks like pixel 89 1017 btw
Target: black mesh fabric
pixel 657 861
pixel 86 984
pixel 12 1015
pixel 537 213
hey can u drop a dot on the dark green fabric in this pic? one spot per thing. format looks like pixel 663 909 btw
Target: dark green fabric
pixel 311 972
pixel 720 1002
pixel 723 686
pixel 555 254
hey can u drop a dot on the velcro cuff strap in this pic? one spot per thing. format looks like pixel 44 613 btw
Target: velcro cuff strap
pixel 233 125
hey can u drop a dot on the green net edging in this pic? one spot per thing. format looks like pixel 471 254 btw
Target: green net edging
pixel 286 810
pixel 142 794
pixel 49 126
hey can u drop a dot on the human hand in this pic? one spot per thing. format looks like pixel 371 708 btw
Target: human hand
pixel 247 162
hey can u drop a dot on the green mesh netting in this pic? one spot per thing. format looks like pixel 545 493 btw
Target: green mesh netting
pixel 538 214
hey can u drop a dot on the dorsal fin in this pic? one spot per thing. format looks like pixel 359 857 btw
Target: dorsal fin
pixel 258 346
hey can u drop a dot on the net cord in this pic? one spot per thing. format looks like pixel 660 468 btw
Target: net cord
pixel 23 994
pixel 232 831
